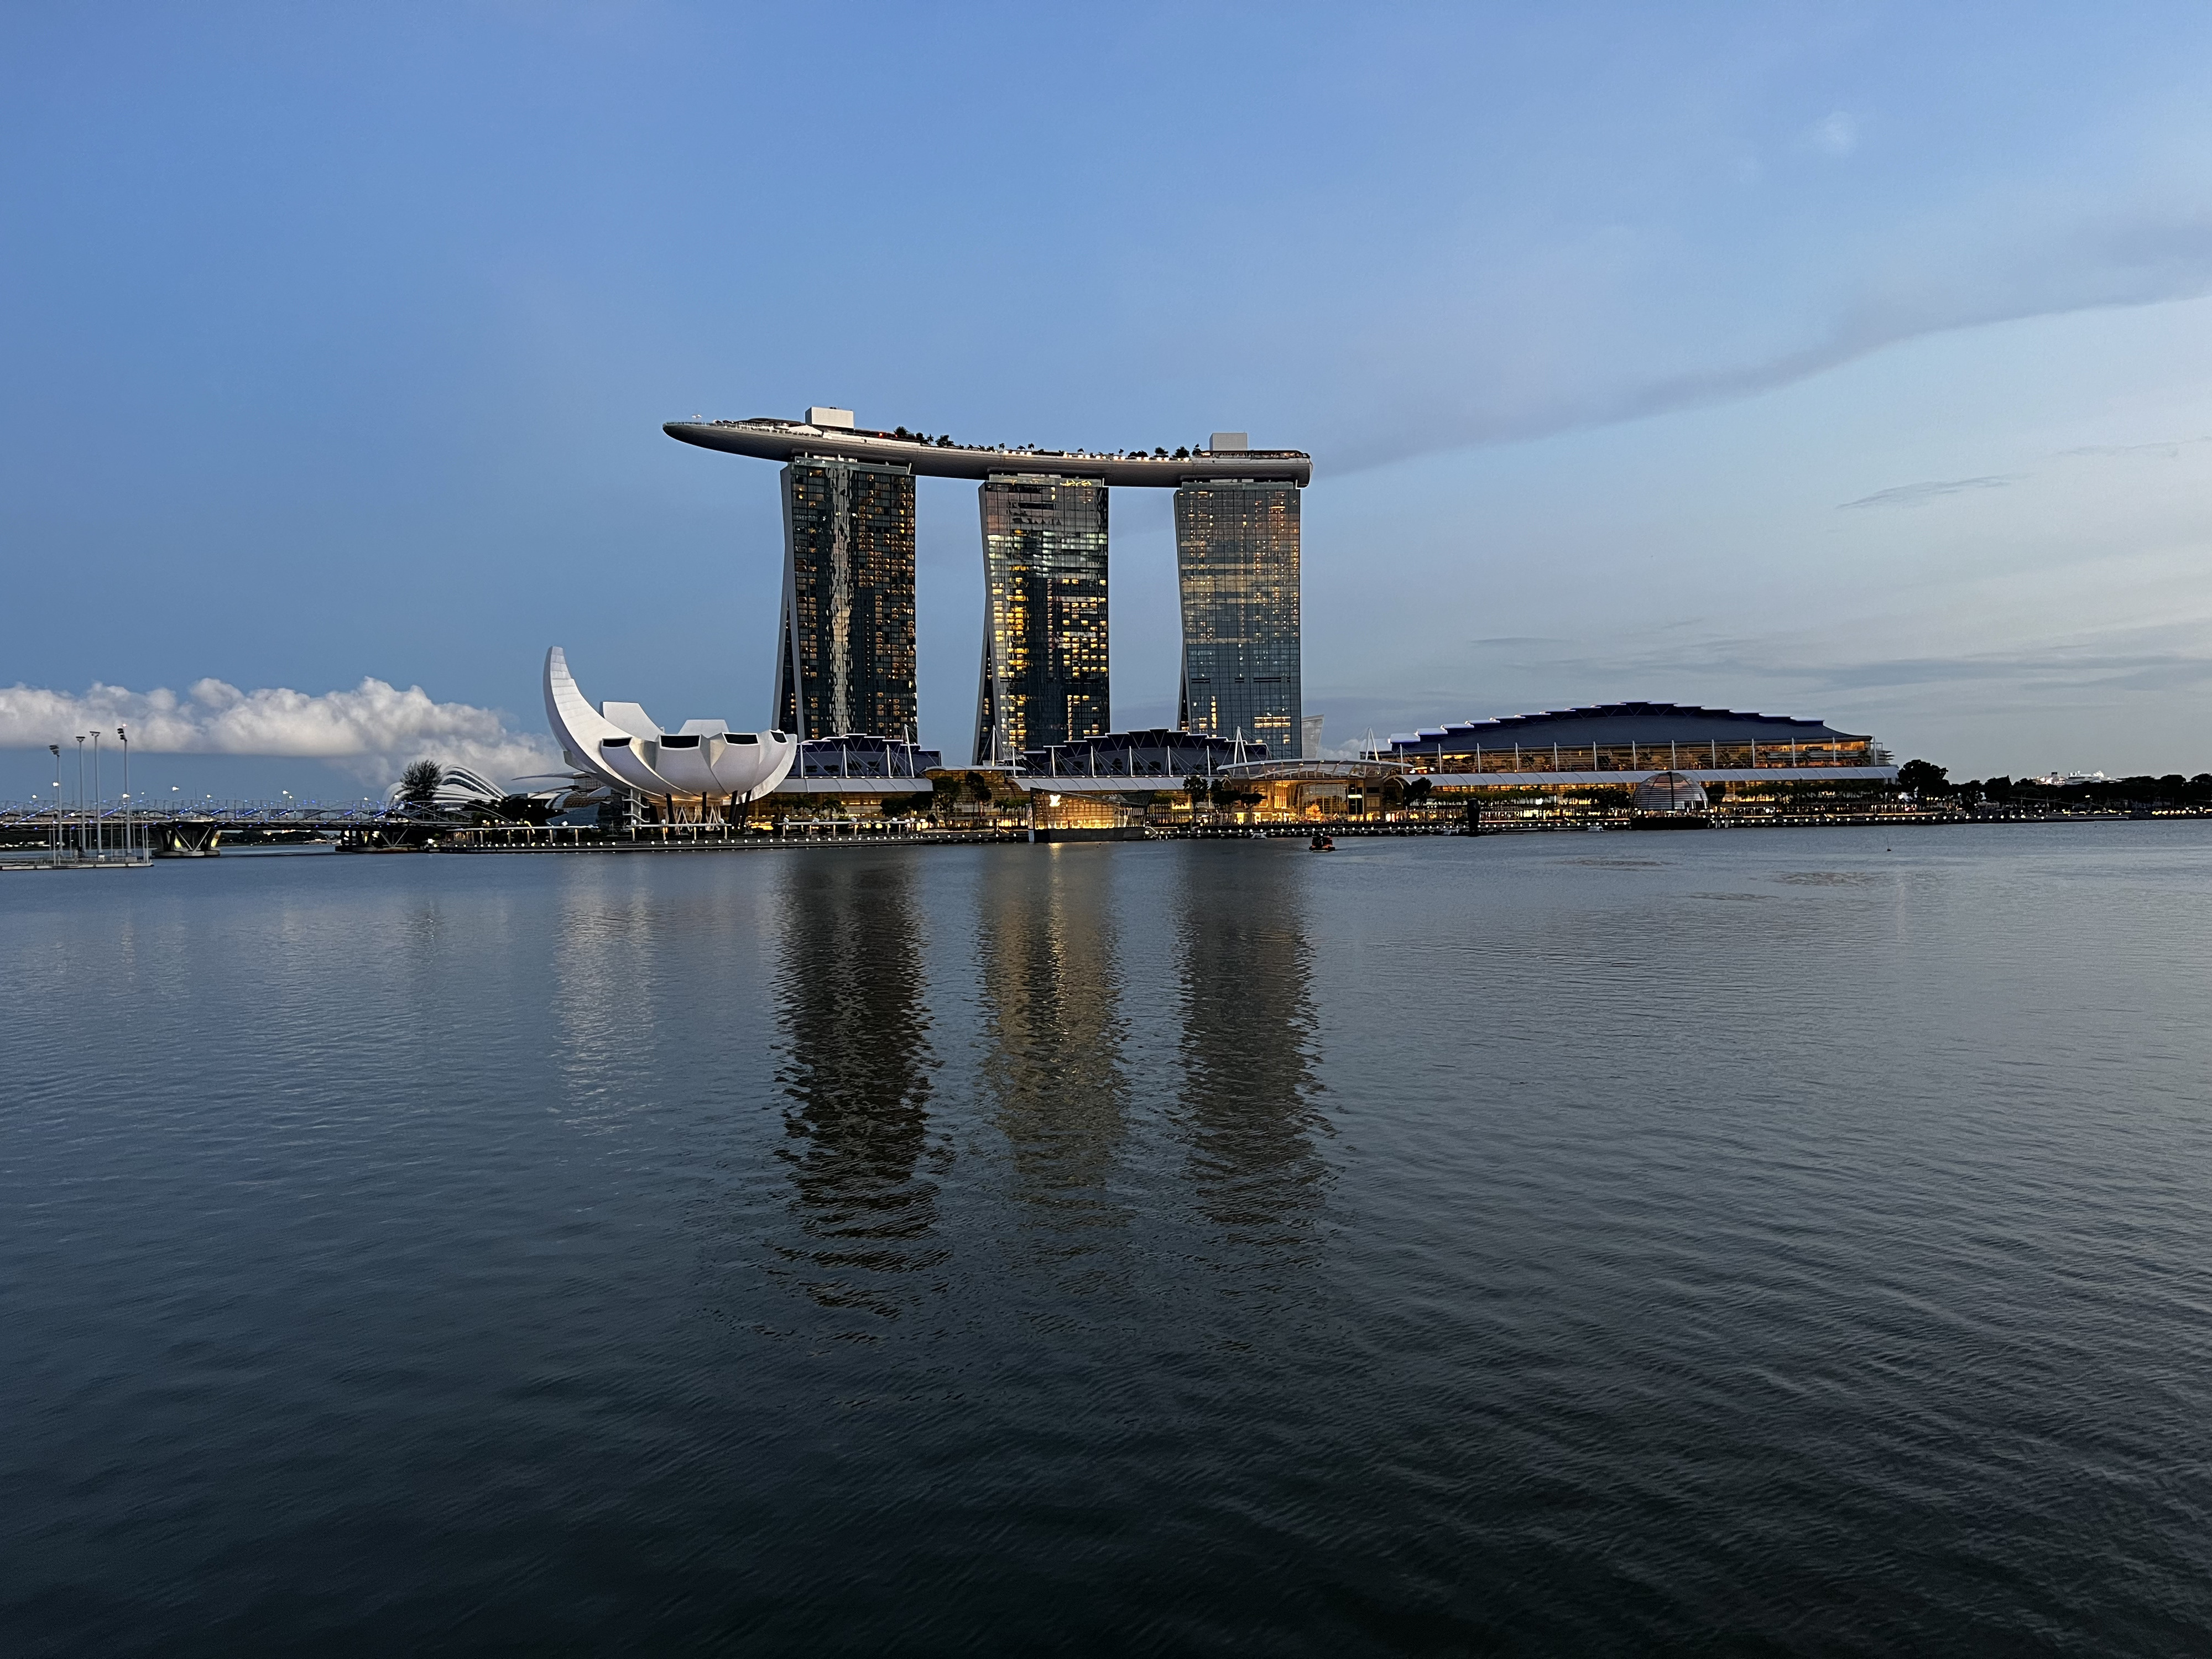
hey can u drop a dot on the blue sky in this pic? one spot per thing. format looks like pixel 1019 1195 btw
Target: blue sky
pixel 1845 361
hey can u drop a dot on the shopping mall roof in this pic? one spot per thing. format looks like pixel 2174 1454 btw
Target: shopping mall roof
pixel 1611 723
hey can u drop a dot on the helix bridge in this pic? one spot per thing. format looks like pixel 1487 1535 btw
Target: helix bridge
pixel 36 835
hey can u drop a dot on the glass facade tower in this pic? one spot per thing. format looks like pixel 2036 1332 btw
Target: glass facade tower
pixel 1044 675
pixel 844 662
pixel 1237 554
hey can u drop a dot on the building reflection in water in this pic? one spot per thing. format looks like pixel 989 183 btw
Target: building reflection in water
pixel 603 970
pixel 855 1061
pixel 1054 1075
pixel 1250 1094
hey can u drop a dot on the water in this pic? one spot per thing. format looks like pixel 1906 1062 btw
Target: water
pixel 1759 1242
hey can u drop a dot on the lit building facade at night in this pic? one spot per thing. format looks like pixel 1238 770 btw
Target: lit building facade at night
pixel 1624 743
pixel 1044 671
pixel 845 660
pixel 1236 561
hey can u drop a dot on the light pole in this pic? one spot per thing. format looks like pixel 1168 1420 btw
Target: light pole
pixel 130 841
pixel 55 749
pixel 80 794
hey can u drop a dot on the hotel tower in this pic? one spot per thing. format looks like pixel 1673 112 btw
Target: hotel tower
pixel 1044 677
pixel 1236 562
pixel 845 659
pixel 845 663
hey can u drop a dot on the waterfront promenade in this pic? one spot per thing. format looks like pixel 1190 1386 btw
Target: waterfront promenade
pixel 33 839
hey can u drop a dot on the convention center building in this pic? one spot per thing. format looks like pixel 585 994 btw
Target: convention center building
pixel 1621 744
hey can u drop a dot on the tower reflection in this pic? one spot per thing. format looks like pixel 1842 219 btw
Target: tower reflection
pixel 1249 1030
pixel 856 1064
pixel 604 976
pixel 1052 988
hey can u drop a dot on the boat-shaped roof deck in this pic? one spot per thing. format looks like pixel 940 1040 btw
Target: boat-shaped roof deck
pixel 771 440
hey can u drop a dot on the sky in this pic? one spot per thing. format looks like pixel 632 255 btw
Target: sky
pixel 1844 361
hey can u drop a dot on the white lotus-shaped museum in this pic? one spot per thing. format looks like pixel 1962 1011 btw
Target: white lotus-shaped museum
pixel 618 744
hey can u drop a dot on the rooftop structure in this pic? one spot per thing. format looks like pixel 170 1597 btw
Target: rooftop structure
pixel 769 439
pixel 857 766
pixel 1570 744
pixel 1154 759
pixel 459 786
pixel 858 755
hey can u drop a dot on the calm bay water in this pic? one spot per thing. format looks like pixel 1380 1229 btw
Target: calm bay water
pixel 1753 1242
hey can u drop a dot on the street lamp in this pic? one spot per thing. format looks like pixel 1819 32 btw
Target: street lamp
pixel 55 749
pixel 130 841
pixel 99 800
pixel 80 794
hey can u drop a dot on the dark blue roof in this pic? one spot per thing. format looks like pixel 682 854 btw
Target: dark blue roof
pixel 1612 723
pixel 1155 745
pixel 864 755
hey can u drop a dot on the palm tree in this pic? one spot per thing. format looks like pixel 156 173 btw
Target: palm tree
pixel 418 784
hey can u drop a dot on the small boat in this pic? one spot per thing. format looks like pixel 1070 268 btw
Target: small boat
pixel 1324 844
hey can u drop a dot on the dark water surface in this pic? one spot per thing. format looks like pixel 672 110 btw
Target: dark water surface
pixel 1753 1242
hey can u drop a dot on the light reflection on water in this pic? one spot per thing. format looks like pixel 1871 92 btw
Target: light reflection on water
pixel 853 1058
pixel 1774 1241
pixel 1249 1041
pixel 1054 1075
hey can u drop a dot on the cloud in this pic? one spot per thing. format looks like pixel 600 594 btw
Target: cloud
pixel 2164 657
pixel 1836 134
pixel 372 730
pixel 1912 494
pixel 2170 451
pixel 1941 279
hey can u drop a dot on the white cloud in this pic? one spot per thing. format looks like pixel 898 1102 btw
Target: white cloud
pixel 1912 494
pixel 1836 134
pixel 372 730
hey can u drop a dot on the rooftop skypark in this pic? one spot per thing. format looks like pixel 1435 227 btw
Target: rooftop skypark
pixel 832 434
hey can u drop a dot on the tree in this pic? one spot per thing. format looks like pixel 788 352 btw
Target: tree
pixel 1195 786
pixel 418 784
pixel 1919 777
pixel 523 809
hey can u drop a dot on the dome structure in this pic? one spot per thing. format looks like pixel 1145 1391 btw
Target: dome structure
pixel 618 744
pixel 1670 791
pixel 459 785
